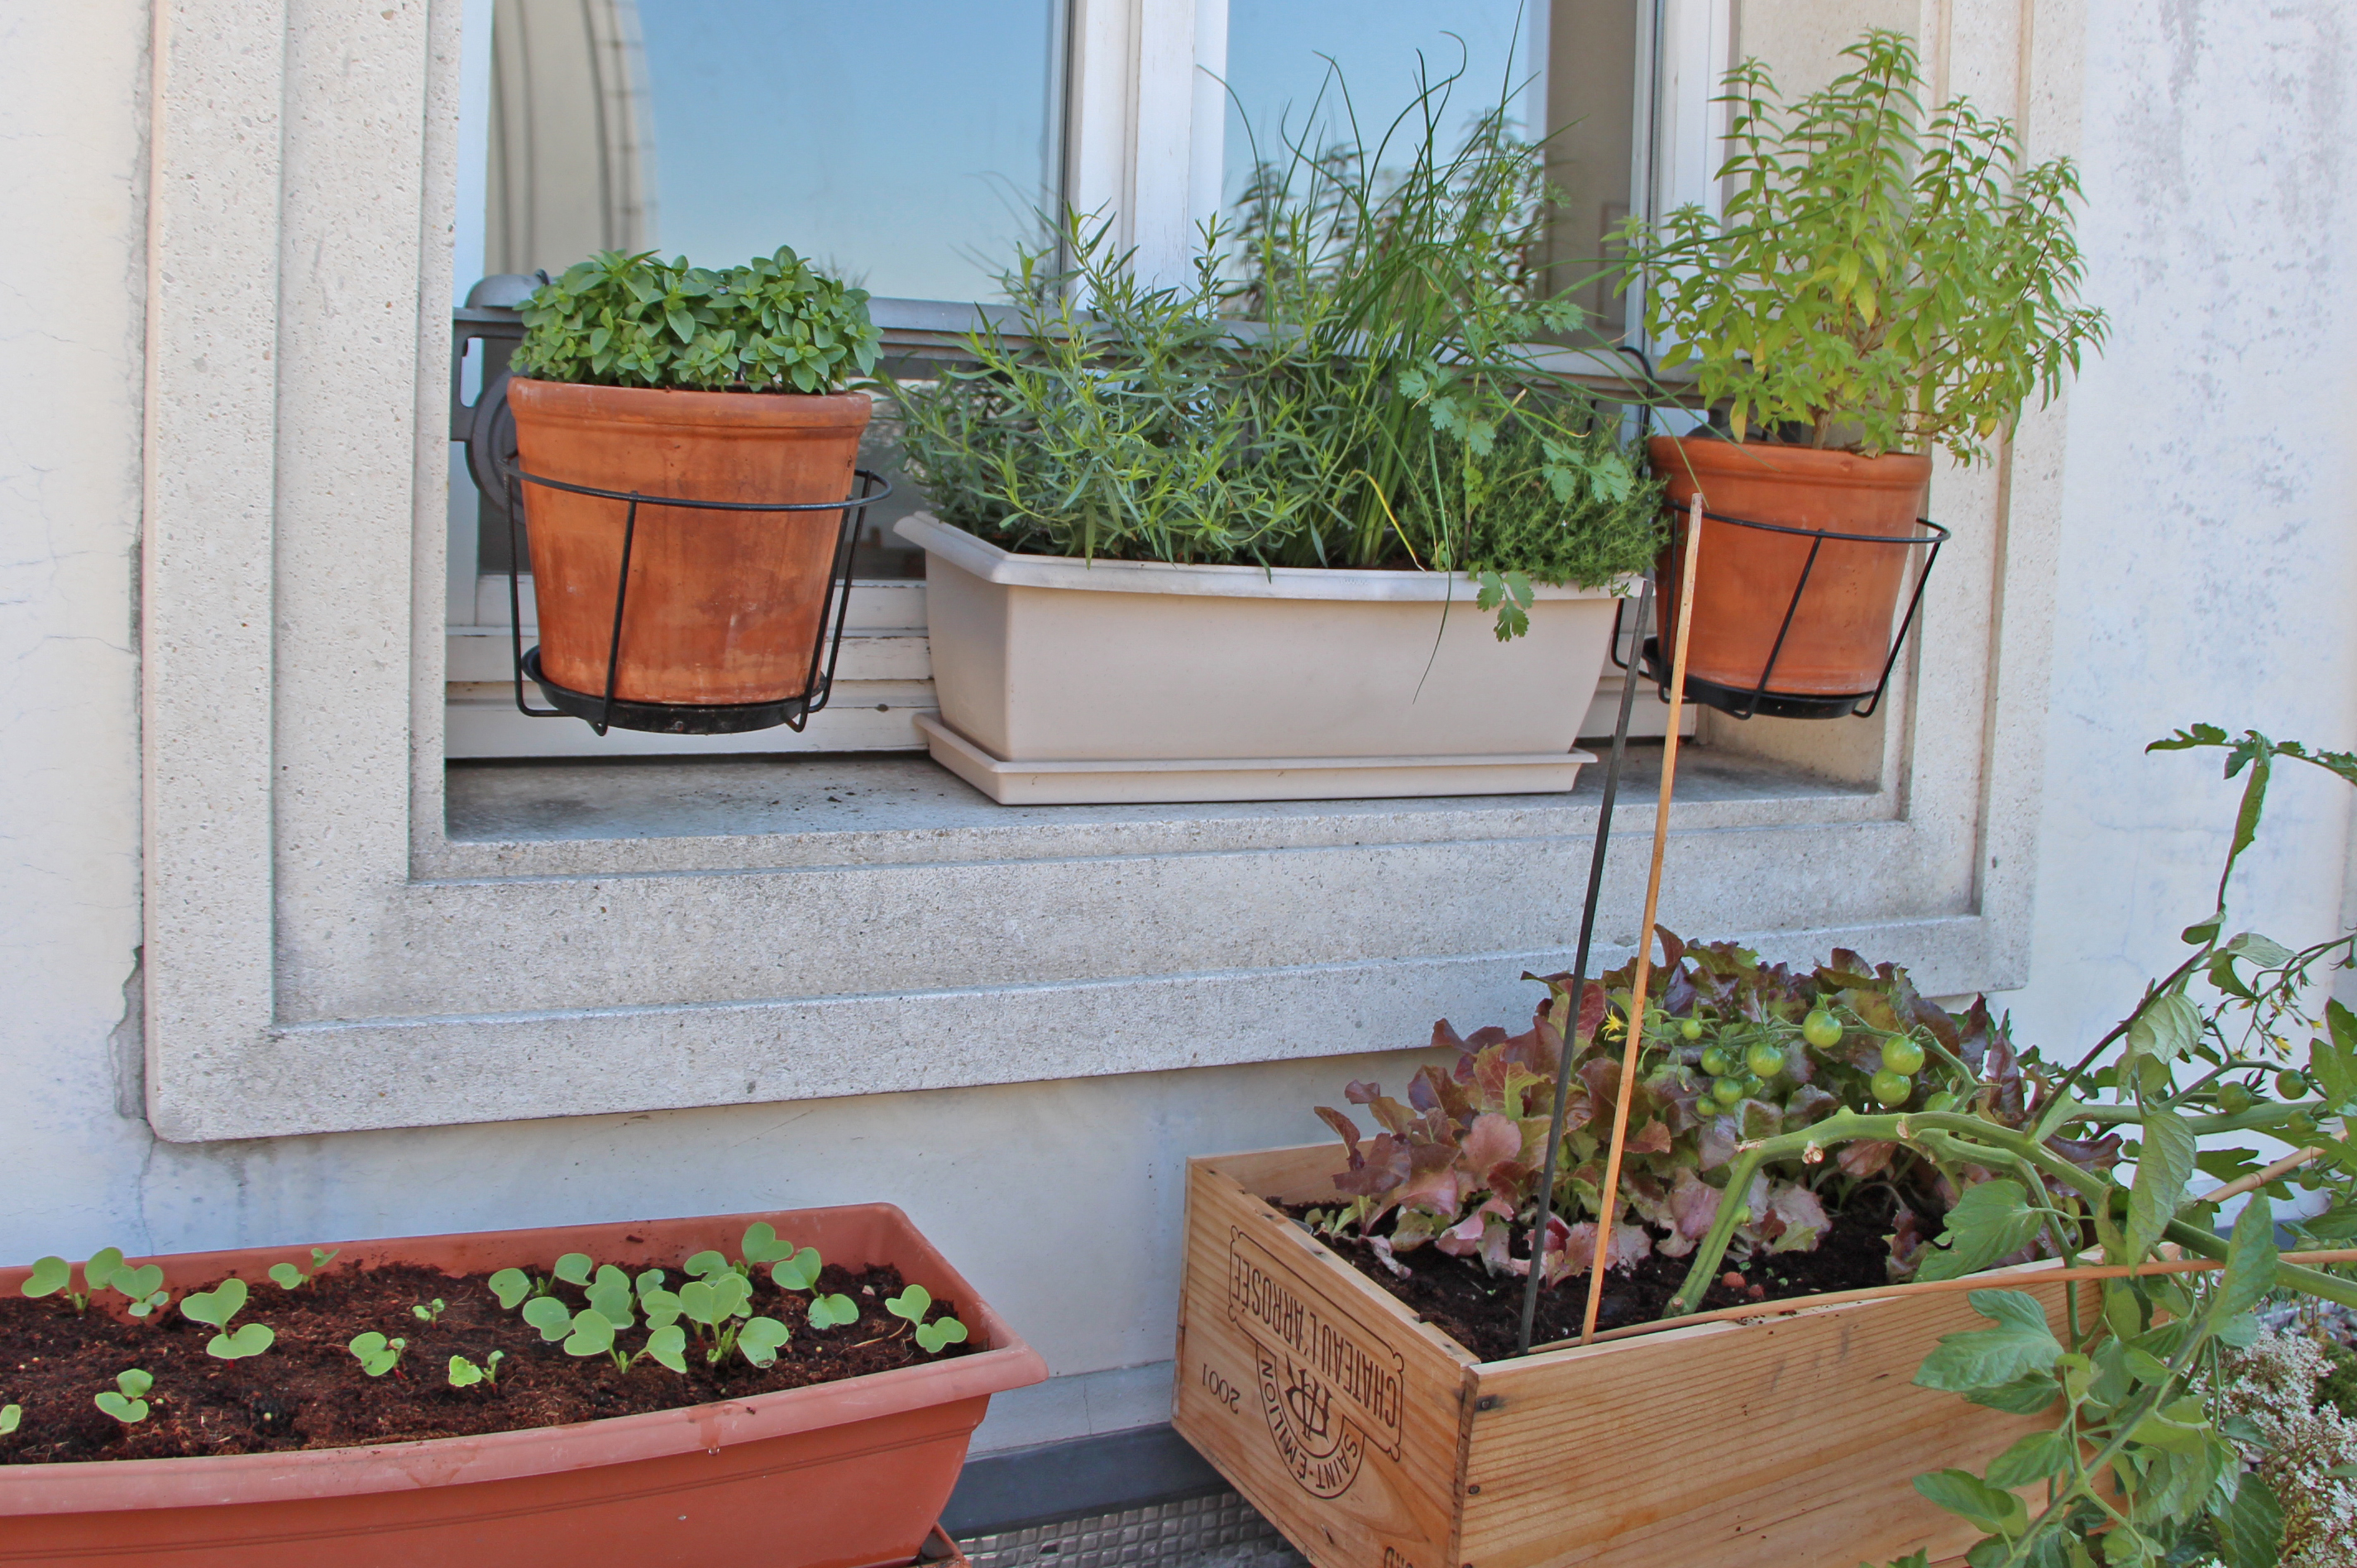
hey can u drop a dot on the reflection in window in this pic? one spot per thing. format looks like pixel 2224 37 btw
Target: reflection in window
pixel 1566 67
pixel 907 144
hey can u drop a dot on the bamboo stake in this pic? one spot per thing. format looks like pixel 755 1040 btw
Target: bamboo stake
pixel 2242 1185
pixel 1751 1311
pixel 1629 1055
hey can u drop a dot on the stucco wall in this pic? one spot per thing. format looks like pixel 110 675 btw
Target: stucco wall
pixel 2206 560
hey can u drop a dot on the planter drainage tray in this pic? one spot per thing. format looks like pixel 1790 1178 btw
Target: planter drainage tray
pixel 1370 1437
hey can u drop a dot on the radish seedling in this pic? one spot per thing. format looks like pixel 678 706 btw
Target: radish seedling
pixel 104 1271
pixel 126 1401
pixel 512 1285
pixel 10 1416
pixel 833 1311
pixel 913 1304
pixel 375 1353
pixel 287 1276
pixel 466 1374
pixel 429 1312
pixel 217 1306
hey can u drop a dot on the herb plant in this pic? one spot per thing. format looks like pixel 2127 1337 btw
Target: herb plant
pixel 1868 287
pixel 287 1276
pixel 127 1401
pixel 104 1271
pixel 217 1306
pixel 773 324
pixel 376 1354
pixel 1364 393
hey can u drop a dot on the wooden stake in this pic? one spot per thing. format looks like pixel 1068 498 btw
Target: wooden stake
pixel 1604 1214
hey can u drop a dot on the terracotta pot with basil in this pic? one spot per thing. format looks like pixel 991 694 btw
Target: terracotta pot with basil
pixel 1873 289
pixel 662 378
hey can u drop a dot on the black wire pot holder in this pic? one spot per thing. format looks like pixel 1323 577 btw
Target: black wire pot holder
pixel 1762 697
pixel 605 711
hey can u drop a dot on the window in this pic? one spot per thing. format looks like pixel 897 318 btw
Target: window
pixel 912 144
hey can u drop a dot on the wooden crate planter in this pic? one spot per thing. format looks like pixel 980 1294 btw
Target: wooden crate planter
pixel 1375 1441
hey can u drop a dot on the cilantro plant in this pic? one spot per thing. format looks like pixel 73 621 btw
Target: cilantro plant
pixel 217 1306
pixel 773 324
pixel 1868 286
pixel 105 1270
pixel 127 1401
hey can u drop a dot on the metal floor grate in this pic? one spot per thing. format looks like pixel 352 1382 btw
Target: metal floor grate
pixel 1220 1531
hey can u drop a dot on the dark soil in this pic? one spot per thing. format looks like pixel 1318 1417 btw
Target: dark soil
pixel 308 1391
pixel 1484 1312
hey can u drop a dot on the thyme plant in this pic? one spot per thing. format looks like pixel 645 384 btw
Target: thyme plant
pixel 1873 284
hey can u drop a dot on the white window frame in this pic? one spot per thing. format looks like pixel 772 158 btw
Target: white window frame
pixel 1145 142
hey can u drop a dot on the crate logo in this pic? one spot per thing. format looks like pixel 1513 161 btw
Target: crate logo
pixel 1329 1389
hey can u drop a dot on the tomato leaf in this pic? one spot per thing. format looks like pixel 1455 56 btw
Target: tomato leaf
pixel 2162 1170
pixel 2016 1343
pixel 1989 1221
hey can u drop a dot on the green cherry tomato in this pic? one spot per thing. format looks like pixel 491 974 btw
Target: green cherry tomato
pixel 1821 1030
pixel 2300 1125
pixel 1691 1028
pixel 1727 1090
pixel 1764 1060
pixel 1892 1089
pixel 1714 1061
pixel 2291 1085
pixel 2234 1099
pixel 1902 1055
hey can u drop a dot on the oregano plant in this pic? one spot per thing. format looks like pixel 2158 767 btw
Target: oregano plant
pixel 1872 283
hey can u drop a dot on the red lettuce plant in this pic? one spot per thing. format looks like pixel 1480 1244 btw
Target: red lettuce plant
pixel 1736 1051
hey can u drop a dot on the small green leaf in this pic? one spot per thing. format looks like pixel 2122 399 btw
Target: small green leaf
pixel 376 1354
pixel 138 1283
pixel 761 1338
pixel 573 1268
pixel 941 1332
pixel 101 1268
pixel 550 1316
pixel 661 1307
pixel 217 1305
pixel 287 1276
pixel 124 1410
pixel 2163 1167
pixel 2029 1395
pixel 1993 1511
pixel 647 1280
pixel 704 1265
pixel 610 1296
pixel 2251 1255
pixel 249 1340
pixel 668 1345
pixel 833 1311
pixel 322 1256
pixel 464 1374
pixel 136 1382
pixel 2251 1528
pixel 592 1333
pixel 10 1416
pixel 2168 1029
pixel 1992 1219
pixel 912 1303
pixel 762 1246
pixel 512 1285
pixel 2032 1458
pixel 50 1276
pixel 798 1272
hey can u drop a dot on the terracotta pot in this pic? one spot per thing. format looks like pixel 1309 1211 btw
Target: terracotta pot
pixel 833 1476
pixel 724 608
pixel 1841 632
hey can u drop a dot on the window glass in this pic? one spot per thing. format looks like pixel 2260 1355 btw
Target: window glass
pixel 904 144
pixel 1565 70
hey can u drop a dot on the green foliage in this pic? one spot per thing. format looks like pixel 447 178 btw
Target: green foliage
pixel 127 1401
pixel 142 1286
pixel 1365 395
pixel 773 324
pixel 11 1416
pixel 1868 287
pixel 216 1307
pixel 376 1354
pixel 833 1311
pixel 912 1304
pixel 712 1307
pixel 466 1374
pixel 287 1276
pixel 429 1312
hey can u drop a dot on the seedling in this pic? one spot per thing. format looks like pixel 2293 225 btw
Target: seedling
pixel 573 1268
pixel 217 1306
pixel 761 1245
pixel 143 1286
pixel 429 1312
pixel 126 1401
pixel 376 1354
pixel 913 1304
pixel 287 1276
pixel 10 1416
pixel 466 1374
pixel 550 1316
pixel 799 1272
pixel 833 1311
pixel 512 1285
